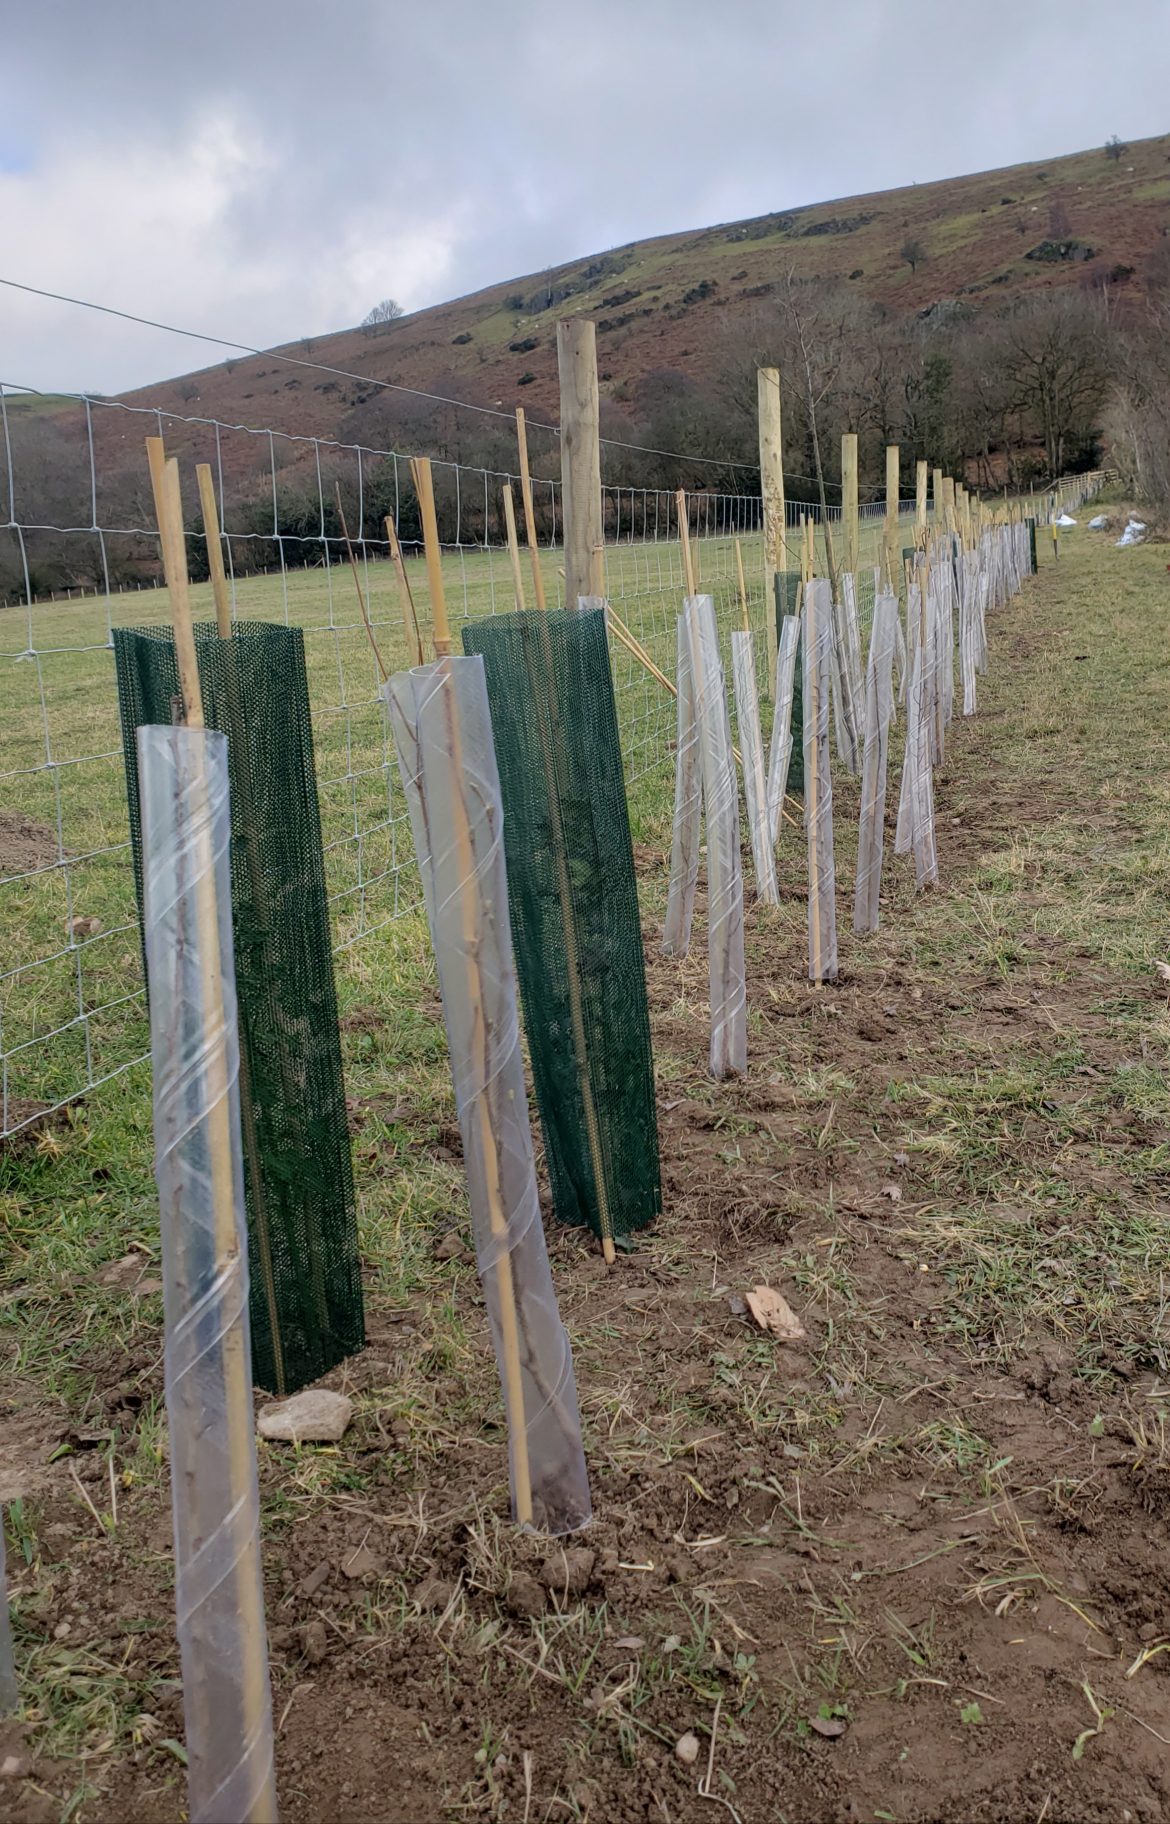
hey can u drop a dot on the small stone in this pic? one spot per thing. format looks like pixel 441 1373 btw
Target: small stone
pixel 678 1568
pixel 568 1573
pixel 433 1594
pixel 314 1642
pixel 14 1766
pixel 361 1562
pixel 312 1583
pixel 450 1247
pixel 687 1748
pixel 62 1630
pixel 524 1595
pixel 315 1416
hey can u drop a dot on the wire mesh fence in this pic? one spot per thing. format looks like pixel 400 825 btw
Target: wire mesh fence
pixel 75 507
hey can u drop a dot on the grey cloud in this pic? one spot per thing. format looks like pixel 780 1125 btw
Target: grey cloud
pixel 427 150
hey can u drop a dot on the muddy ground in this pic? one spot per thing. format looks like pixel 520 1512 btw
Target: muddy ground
pixel 901 1570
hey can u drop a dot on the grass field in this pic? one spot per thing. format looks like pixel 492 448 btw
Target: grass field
pixel 908 1570
pixel 58 701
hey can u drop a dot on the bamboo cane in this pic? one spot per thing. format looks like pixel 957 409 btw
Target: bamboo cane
pixel 812 712
pixel 513 546
pixel 164 475
pixel 509 1328
pixel 260 896
pixel 529 510
pixel 357 583
pixel 743 600
pixel 409 613
pixel 684 533
pixel 219 583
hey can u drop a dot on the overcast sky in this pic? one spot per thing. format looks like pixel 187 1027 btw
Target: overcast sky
pixel 267 169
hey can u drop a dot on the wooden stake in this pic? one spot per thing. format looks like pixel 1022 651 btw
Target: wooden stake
pixel 743 600
pixel 461 831
pixel 219 582
pixel 849 513
pixel 409 613
pixel 513 547
pixel 684 534
pixel 580 454
pixel 921 477
pixel 771 440
pixel 164 476
pixel 937 492
pixel 529 509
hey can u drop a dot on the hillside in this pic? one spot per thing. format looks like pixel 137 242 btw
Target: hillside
pixel 677 301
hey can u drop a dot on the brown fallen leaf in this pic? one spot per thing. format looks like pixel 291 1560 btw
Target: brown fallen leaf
pixel 892 1191
pixel 773 1313
pixel 830 1726
pixel 84 927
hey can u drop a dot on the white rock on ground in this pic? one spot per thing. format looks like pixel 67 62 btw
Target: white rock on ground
pixel 315 1416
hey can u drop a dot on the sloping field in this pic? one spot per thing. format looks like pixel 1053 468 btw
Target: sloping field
pixel 909 1569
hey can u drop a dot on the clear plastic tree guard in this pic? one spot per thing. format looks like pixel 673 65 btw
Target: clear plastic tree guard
pixel 747 717
pixel 818 785
pixel 219 1598
pixel 9 1695
pixel 879 709
pixel 443 736
pixel 728 1054
pixel 780 756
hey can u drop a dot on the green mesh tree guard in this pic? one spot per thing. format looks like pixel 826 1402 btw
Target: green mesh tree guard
pixel 788 602
pixel 306 1295
pixel 573 901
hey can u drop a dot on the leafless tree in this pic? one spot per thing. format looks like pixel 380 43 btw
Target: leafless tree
pixel 913 252
pixel 388 311
pixel 1053 353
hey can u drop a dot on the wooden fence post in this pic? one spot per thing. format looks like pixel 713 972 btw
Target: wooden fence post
pixel 893 495
pixel 849 525
pixel 772 490
pixel 584 532
pixel 920 497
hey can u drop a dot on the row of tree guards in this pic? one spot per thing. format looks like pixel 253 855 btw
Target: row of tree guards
pixel 511 765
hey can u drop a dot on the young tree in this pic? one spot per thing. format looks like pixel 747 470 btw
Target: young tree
pixel 913 252
pixel 1114 148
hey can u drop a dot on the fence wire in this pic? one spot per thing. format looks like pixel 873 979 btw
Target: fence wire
pixel 75 504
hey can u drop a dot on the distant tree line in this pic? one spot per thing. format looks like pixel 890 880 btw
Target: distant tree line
pixel 1005 395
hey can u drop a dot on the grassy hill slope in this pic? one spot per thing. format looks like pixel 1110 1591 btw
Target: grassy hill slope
pixel 679 300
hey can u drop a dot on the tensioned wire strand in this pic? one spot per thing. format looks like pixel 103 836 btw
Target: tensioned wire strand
pixel 393 386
